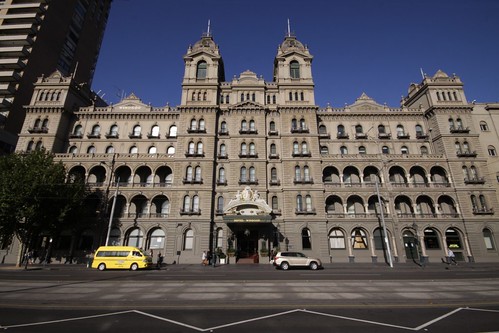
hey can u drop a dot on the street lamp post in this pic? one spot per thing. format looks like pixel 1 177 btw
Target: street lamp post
pixel 385 235
pixel 112 213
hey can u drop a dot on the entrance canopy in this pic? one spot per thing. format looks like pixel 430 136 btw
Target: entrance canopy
pixel 248 203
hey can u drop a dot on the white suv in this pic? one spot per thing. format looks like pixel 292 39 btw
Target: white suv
pixel 284 260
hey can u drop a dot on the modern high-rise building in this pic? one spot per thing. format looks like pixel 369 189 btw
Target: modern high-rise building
pixel 38 37
pixel 250 166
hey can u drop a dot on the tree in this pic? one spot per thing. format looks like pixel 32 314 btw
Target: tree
pixel 35 197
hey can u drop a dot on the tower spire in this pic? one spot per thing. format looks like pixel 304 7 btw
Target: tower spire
pixel 289 29
pixel 208 31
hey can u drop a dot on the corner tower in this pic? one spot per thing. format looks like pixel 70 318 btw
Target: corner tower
pixel 204 70
pixel 293 72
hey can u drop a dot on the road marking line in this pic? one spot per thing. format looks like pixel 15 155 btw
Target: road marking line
pixel 65 320
pixel 253 319
pixel 438 319
pixel 359 320
pixel 168 320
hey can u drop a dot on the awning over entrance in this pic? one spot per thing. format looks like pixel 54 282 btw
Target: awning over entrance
pixel 247 219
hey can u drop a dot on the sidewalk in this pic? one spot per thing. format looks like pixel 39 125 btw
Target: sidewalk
pixel 379 267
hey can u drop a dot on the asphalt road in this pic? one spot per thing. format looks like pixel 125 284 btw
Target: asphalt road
pixel 193 298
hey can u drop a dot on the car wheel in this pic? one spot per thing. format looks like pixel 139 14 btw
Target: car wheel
pixel 101 267
pixel 284 265
pixel 313 265
pixel 134 267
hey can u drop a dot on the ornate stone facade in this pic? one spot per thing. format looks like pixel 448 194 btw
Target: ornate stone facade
pixel 253 165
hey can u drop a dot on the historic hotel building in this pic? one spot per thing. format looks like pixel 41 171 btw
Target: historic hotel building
pixel 252 165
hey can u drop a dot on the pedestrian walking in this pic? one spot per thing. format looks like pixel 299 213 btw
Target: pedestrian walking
pixel 452 257
pixel 160 260
pixel 204 259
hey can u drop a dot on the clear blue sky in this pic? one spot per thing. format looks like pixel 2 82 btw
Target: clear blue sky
pixel 371 46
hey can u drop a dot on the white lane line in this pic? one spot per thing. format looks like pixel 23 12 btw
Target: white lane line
pixel 439 318
pixel 359 320
pixel 65 320
pixel 169 320
pixel 483 310
pixel 251 320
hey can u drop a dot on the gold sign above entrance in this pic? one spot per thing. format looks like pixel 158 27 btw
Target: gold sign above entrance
pixel 247 219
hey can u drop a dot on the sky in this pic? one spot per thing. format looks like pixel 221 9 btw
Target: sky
pixel 377 47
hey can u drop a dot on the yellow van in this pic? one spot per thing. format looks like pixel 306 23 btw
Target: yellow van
pixel 124 257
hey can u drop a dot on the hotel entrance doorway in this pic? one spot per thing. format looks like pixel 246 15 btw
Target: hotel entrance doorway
pixel 247 244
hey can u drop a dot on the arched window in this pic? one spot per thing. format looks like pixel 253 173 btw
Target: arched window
pixel 294 69
pixel 199 150
pixel 219 238
pixel 220 204
pixel 296 148
pixel 358 129
pixel 451 124
pixel 306 174
pixel 155 131
pixel 488 239
pixel 170 150
pixel 187 204
pixel 110 150
pixel 343 150
pixel 221 175
pixel 195 203
pixel 39 145
pixel 381 129
pixel 324 150
pixel 453 239
pixel 201 125
pixel 252 150
pixel 223 150
pixel 244 149
pixel 45 123
pixel 492 151
pixel 198 174
pixel 336 239
pixel 297 173
pixel 419 131
pixel 252 125
pixel 385 150
pixel 424 150
pixel 474 173
pixel 73 150
pixel 273 174
pixel 459 123
pixel 244 125
pixel 192 148
pixel 172 132
pixel 362 150
pixel 304 148
pixel 113 131
pixel 188 239
pixel 152 150
pixel 96 130
pixel 483 126
pixel 400 131
pixel 194 124
pixel 299 203
pixel 272 126
pixel 252 174
pixel 137 130
pixel 91 150
pixel 275 203
pixel 223 127
pixel 341 130
pixel 273 149
pixel 243 175
pixel 135 238
pixel 134 150
pixel 306 242
pixel 404 150
pixel 201 70
pixel 308 203
pixel 78 131
pixel 359 239
pixel 378 239
pixel 431 239
pixel 188 173
pixel 30 145
pixel 157 239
